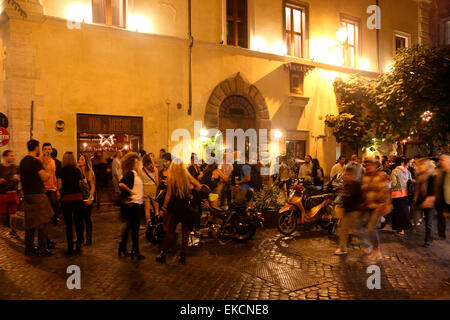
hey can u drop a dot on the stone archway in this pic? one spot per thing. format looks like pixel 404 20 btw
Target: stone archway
pixel 236 87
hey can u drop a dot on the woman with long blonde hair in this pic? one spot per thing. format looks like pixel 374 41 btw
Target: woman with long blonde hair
pixel 88 176
pixel 176 208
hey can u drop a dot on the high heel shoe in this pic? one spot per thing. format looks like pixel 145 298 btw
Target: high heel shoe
pixel 123 250
pixel 77 249
pixel 161 258
pixel 182 258
pixel 136 255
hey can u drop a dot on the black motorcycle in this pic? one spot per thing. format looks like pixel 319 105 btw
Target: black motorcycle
pixel 237 223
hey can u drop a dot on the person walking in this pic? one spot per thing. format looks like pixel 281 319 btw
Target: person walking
pixel 150 179
pixel 177 208
pixel 355 163
pixel 376 202
pixel 9 182
pixel 72 202
pixel 351 199
pixel 443 194
pixel 132 194
pixel 37 207
pixel 88 183
pixel 162 175
pixel 401 218
pixel 425 195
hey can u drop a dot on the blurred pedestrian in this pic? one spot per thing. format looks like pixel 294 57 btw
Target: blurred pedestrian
pixel 9 183
pixel 72 202
pixel 425 195
pixel 88 183
pixel 354 163
pixel 132 194
pixel 194 168
pixel 177 208
pixel 401 218
pixel 443 193
pixel 37 207
pixel 376 202
pixel 352 198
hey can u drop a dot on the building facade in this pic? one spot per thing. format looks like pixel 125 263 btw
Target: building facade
pixel 93 68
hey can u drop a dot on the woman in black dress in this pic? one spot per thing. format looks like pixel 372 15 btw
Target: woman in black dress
pixel 176 208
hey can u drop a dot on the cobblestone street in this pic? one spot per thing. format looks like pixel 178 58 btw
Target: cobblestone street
pixel 267 267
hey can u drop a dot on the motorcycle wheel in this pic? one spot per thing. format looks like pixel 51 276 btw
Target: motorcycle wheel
pixel 243 237
pixel 287 222
pixel 326 219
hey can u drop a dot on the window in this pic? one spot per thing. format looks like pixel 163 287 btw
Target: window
pixel 351 44
pixel 447 32
pixel 237 34
pixel 295 30
pixel 109 12
pixel 401 41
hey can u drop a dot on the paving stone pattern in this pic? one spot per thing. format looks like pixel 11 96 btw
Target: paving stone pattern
pixel 270 266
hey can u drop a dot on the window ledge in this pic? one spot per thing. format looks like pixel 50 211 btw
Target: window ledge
pixel 298 101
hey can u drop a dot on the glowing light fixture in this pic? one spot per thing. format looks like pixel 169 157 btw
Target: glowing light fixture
pixel 342 34
pixel 258 44
pixel 278 134
pixel 203 132
pixel 79 12
pixel 138 23
pixel 364 64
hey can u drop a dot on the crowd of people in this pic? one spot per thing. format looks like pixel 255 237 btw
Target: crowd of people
pixel 143 185
pixel 410 191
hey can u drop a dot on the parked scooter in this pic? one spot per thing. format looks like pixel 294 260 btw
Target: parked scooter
pixel 307 206
pixel 236 223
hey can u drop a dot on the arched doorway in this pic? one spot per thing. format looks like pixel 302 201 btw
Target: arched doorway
pixel 236 112
pixel 235 103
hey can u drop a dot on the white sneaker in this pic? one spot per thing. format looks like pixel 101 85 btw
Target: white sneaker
pixel 340 252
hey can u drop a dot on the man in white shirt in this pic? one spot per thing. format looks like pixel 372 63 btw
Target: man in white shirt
pixel 306 169
pixel 116 171
pixel 338 168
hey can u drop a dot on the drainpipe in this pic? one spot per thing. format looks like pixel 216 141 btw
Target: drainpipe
pixel 191 44
pixel 378 41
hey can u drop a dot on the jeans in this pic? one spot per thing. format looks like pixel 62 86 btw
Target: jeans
pixel 53 198
pixel 347 225
pixel 42 231
pixel 131 216
pixel 372 239
pixel 72 211
pixel 429 215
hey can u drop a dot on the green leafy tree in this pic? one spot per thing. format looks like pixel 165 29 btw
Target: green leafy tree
pixel 391 106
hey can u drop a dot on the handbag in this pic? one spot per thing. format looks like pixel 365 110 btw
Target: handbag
pixel 84 187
